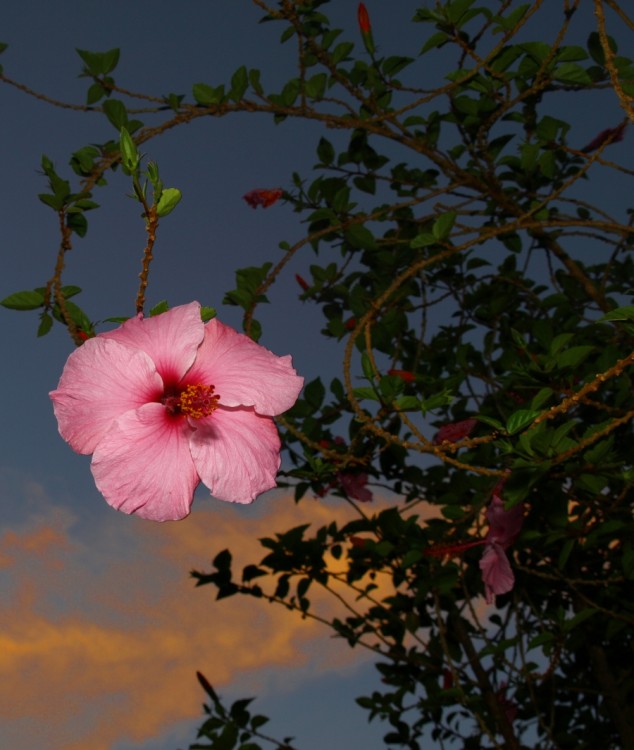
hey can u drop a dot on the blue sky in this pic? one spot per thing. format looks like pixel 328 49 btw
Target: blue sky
pixel 101 628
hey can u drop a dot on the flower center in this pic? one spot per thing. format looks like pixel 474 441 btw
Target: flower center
pixel 194 401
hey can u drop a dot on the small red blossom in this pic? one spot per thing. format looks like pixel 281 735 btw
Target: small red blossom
pixel 355 486
pixel 264 197
pixel 364 19
pixel 302 282
pixel 365 27
pixel 508 706
pixel 451 550
pixel 350 324
pixel 358 541
pixel 455 431
pixel 614 135
pixel 404 375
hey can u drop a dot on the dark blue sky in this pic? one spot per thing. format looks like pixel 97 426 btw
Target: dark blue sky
pixel 165 47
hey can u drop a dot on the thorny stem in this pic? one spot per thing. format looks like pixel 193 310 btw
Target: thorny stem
pixel 54 285
pixel 151 226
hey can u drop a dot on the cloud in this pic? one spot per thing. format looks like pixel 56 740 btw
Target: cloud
pixel 102 630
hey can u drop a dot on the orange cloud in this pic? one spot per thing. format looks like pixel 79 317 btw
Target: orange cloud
pixel 99 640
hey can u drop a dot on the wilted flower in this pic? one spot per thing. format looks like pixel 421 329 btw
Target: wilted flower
pixel 264 197
pixel 358 541
pixel 504 528
pixel 166 402
pixel 455 431
pixel 508 706
pixel 355 486
pixel 614 135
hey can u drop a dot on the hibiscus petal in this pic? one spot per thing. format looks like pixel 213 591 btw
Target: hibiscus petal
pixel 236 453
pixel 355 486
pixel 496 572
pixel 101 381
pixel 143 465
pixel 245 373
pixel 504 525
pixel 170 339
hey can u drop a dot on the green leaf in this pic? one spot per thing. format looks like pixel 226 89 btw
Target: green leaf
pixel 366 392
pixel 342 51
pixel 77 222
pixel 170 198
pixel 159 308
pixel 366 366
pixel 23 301
pixel 254 80
pixel 325 151
pixel 55 202
pixel 495 423
pixel 46 323
pixel 357 235
pixel 393 65
pixel 314 393
pixel 207 313
pixel 541 398
pixel 453 512
pixel 424 239
pixel 408 403
pixel 290 92
pixel 578 619
pixel 443 225
pixel 239 83
pixel 99 63
pixel 435 40
pixel 595 48
pixel 95 92
pixel 620 313
pixel 574 356
pixel 316 86
pixel 70 291
pixel 254 331
pixel 569 72
pixel 521 419
pixel 565 553
pixel 205 95
pixel 444 398
pixel 116 113
pixel 129 153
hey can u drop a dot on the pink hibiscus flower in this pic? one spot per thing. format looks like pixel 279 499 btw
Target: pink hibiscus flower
pixel 504 528
pixel 166 402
